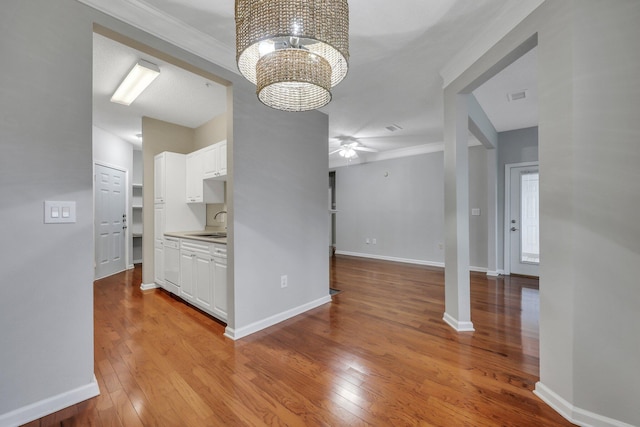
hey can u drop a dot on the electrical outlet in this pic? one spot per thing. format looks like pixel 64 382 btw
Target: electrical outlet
pixel 283 281
pixel 440 246
pixel 374 241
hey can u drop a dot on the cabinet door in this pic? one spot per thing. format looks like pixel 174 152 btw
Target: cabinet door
pixel 209 162
pixel 159 189
pixel 222 158
pixel 220 288
pixel 187 274
pixel 194 177
pixel 158 222
pixel 204 281
pixel 158 263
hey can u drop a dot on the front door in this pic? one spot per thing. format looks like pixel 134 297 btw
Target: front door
pixel 523 221
pixel 110 221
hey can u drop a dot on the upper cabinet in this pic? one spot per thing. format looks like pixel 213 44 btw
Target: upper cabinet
pixel 194 177
pixel 159 185
pixel 170 176
pixel 206 173
pixel 215 161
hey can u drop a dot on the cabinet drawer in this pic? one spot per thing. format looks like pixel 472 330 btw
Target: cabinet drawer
pixel 196 246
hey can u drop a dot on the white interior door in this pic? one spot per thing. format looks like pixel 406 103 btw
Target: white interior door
pixel 110 221
pixel 523 222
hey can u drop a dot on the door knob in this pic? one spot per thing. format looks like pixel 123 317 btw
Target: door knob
pixel 514 229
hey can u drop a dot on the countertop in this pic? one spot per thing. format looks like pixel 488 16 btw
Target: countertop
pixel 197 235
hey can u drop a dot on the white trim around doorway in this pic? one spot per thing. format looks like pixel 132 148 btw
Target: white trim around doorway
pixel 507 203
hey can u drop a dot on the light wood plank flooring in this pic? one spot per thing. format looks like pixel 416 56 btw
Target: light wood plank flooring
pixel 378 355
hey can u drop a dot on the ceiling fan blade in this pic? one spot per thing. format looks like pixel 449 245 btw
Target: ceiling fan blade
pixel 371 150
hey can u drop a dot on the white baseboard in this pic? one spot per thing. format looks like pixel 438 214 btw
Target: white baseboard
pixel 390 258
pixel 405 260
pixel 236 334
pixel 148 286
pixel 130 267
pixel 50 405
pixel 457 325
pixel 572 413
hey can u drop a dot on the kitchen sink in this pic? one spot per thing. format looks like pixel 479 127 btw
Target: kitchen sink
pixel 210 235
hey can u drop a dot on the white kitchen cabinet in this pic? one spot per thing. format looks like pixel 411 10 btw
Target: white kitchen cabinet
pixel 203 276
pixel 203 292
pixel 187 274
pixel 219 305
pixel 196 274
pixel 222 159
pixel 194 165
pixel 159 180
pixel 158 244
pixel 215 161
pixel 158 263
pixel 172 214
pixel 171 255
pixel 199 190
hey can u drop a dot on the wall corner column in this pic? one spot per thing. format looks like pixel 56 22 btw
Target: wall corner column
pixel 456 208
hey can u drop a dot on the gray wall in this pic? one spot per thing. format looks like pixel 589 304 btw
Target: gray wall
pixel 516 146
pixel 46 293
pixel 404 211
pixel 605 197
pixel 278 201
pixel 478 225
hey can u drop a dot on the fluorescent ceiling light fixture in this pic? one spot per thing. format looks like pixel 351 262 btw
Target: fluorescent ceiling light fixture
pixel 140 76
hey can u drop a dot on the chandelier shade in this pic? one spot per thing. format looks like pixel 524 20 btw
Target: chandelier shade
pixel 294 51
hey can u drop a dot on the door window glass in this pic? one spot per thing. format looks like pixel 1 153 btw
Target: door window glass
pixel 529 223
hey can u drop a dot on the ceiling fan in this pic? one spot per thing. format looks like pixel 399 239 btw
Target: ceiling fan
pixel 349 147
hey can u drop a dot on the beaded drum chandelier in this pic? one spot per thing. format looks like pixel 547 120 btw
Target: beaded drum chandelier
pixel 294 51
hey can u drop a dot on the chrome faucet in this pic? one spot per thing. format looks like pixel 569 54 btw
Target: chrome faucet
pixel 218 213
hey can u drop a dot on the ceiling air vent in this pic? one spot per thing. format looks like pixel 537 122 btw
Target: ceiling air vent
pixel 393 128
pixel 516 96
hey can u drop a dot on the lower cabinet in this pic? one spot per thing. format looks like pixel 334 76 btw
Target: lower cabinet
pixel 158 262
pixel 203 278
pixel 220 281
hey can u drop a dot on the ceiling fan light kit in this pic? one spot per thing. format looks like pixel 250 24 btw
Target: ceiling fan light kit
pixel 294 51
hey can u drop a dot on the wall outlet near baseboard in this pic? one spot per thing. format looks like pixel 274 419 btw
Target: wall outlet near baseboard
pixel 283 281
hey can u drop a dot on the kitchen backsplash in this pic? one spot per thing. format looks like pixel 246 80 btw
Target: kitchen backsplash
pixel 221 221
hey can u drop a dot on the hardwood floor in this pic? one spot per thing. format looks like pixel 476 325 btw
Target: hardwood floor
pixel 378 355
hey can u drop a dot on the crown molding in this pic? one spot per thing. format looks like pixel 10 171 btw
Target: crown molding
pixel 511 16
pixel 145 17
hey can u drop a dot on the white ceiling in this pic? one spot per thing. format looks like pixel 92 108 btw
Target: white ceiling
pixel 397 52
pixel 493 95
pixel 175 96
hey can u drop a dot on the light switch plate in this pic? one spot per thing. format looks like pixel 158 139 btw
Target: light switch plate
pixel 59 212
pixel 475 212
